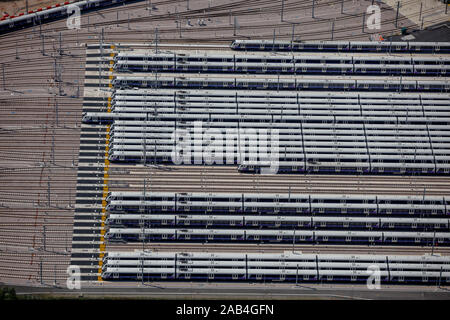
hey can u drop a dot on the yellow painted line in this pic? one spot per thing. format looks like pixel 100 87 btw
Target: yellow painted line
pixel 105 195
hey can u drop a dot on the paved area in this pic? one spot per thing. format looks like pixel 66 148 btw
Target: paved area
pixel 197 291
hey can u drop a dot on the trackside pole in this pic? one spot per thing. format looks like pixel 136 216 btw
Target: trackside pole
pixel 40 270
pixel 420 13
pixel 313 6
pixel 332 29
pixel 293 34
pixel 53 147
pixel 48 192
pixel 3 71
pixel 56 113
pixel 396 16
pixel 44 238
pixel 156 40
pixel 363 21
pixel 273 43
pixel 434 239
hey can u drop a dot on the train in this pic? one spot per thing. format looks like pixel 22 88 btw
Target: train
pixel 59 11
pixel 432 117
pixel 278 218
pixel 279 204
pixel 342 46
pixel 332 237
pixel 287 109
pixel 180 98
pixel 161 82
pixel 293 68
pixel 281 267
pixel 230 221
pixel 121 59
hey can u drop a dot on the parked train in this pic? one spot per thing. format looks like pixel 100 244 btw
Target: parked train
pixel 278 98
pixel 279 204
pixel 279 222
pixel 121 59
pixel 397 238
pixel 59 11
pixel 124 82
pixel 285 267
pixel 331 69
pixel 342 46
pixel 436 118
pixel 278 109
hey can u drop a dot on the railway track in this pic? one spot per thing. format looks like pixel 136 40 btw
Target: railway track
pixel 29 149
pixel 116 35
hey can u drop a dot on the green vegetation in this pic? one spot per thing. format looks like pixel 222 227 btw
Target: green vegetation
pixel 7 293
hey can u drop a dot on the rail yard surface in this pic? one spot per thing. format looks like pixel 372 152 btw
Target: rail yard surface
pixel 87 177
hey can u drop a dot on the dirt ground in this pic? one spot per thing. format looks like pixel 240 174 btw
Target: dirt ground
pixel 13 7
